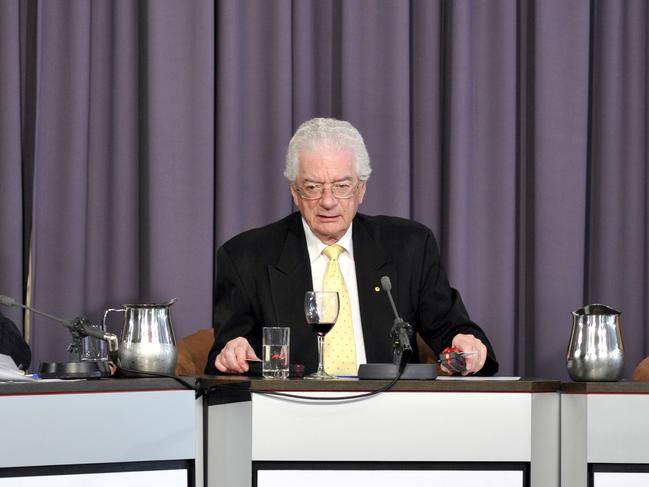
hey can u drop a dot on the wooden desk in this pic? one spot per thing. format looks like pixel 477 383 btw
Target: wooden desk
pixel 460 426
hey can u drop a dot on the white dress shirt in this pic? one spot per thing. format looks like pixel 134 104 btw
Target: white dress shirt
pixel 319 263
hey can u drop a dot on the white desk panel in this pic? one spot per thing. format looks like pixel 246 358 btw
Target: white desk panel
pixel 79 428
pixel 493 427
pixel 618 428
pixel 450 425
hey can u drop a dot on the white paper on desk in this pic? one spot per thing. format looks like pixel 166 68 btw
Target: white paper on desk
pixel 475 377
pixel 10 372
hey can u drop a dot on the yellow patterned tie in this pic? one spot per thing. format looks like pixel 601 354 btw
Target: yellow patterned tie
pixel 340 347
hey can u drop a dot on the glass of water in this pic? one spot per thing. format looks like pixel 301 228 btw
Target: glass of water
pixel 275 352
pixel 93 349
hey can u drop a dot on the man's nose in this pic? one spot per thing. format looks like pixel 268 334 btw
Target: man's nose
pixel 328 200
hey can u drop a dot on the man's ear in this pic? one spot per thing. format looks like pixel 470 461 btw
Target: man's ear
pixel 295 195
pixel 361 191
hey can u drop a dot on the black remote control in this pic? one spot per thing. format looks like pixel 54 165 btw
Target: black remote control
pixel 453 360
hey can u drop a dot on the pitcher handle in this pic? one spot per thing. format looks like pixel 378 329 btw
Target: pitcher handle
pixel 103 321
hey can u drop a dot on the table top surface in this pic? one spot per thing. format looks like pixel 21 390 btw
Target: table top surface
pixel 92 385
pixel 621 387
pixel 252 384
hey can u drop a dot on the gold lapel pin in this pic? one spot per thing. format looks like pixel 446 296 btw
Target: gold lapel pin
pixel 377 289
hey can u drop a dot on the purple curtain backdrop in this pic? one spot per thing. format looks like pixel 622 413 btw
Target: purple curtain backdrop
pixel 121 128
pixel 516 130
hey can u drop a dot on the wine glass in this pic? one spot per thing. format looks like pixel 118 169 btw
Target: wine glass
pixel 321 310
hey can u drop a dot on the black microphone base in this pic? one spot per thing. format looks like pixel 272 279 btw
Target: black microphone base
pixel 74 370
pixel 389 371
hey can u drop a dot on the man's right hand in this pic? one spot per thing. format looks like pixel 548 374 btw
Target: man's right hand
pixel 232 359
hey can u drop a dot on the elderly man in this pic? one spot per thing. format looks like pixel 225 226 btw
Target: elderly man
pixel 263 274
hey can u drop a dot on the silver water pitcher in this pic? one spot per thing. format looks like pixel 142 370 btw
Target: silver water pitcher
pixel 595 351
pixel 147 342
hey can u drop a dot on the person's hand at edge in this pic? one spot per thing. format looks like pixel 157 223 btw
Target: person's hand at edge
pixel 473 350
pixel 232 359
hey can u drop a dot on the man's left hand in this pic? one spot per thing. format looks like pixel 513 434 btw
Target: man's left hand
pixel 475 352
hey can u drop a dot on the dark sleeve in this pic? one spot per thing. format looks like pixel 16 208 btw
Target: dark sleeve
pixel 442 314
pixel 12 343
pixel 234 314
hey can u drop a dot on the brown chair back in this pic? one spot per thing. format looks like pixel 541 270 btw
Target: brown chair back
pixel 193 351
pixel 641 372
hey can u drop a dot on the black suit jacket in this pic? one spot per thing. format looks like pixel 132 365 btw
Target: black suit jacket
pixel 263 274
pixel 12 343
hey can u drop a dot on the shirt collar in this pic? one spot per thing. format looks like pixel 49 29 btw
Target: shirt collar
pixel 315 246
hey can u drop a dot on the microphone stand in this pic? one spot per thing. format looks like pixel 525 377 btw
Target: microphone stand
pixel 402 351
pixel 79 328
pixel 401 333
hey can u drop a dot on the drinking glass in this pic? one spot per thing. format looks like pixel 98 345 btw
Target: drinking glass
pixel 93 349
pixel 321 310
pixel 275 350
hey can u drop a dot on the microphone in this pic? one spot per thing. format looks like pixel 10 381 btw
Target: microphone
pixel 402 350
pixel 401 331
pixel 80 324
pixel 386 284
pixel 79 328
pixel 11 302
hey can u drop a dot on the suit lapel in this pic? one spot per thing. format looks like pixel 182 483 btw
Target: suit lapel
pixel 372 262
pixel 290 277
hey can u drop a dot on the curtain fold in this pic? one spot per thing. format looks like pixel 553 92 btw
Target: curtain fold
pixel 556 178
pixel 253 113
pixel 618 179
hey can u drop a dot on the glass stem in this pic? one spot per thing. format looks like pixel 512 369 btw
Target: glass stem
pixel 320 354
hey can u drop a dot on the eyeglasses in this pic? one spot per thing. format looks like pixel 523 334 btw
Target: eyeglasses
pixel 314 191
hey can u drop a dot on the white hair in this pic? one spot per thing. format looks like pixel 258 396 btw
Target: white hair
pixel 319 133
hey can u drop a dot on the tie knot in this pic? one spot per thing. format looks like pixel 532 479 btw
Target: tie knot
pixel 333 251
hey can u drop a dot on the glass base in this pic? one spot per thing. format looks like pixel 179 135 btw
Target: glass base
pixel 321 375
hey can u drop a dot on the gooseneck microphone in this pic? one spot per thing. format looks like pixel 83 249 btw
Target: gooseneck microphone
pixel 386 284
pixel 79 327
pixel 401 330
pixel 400 334
pixel 75 325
